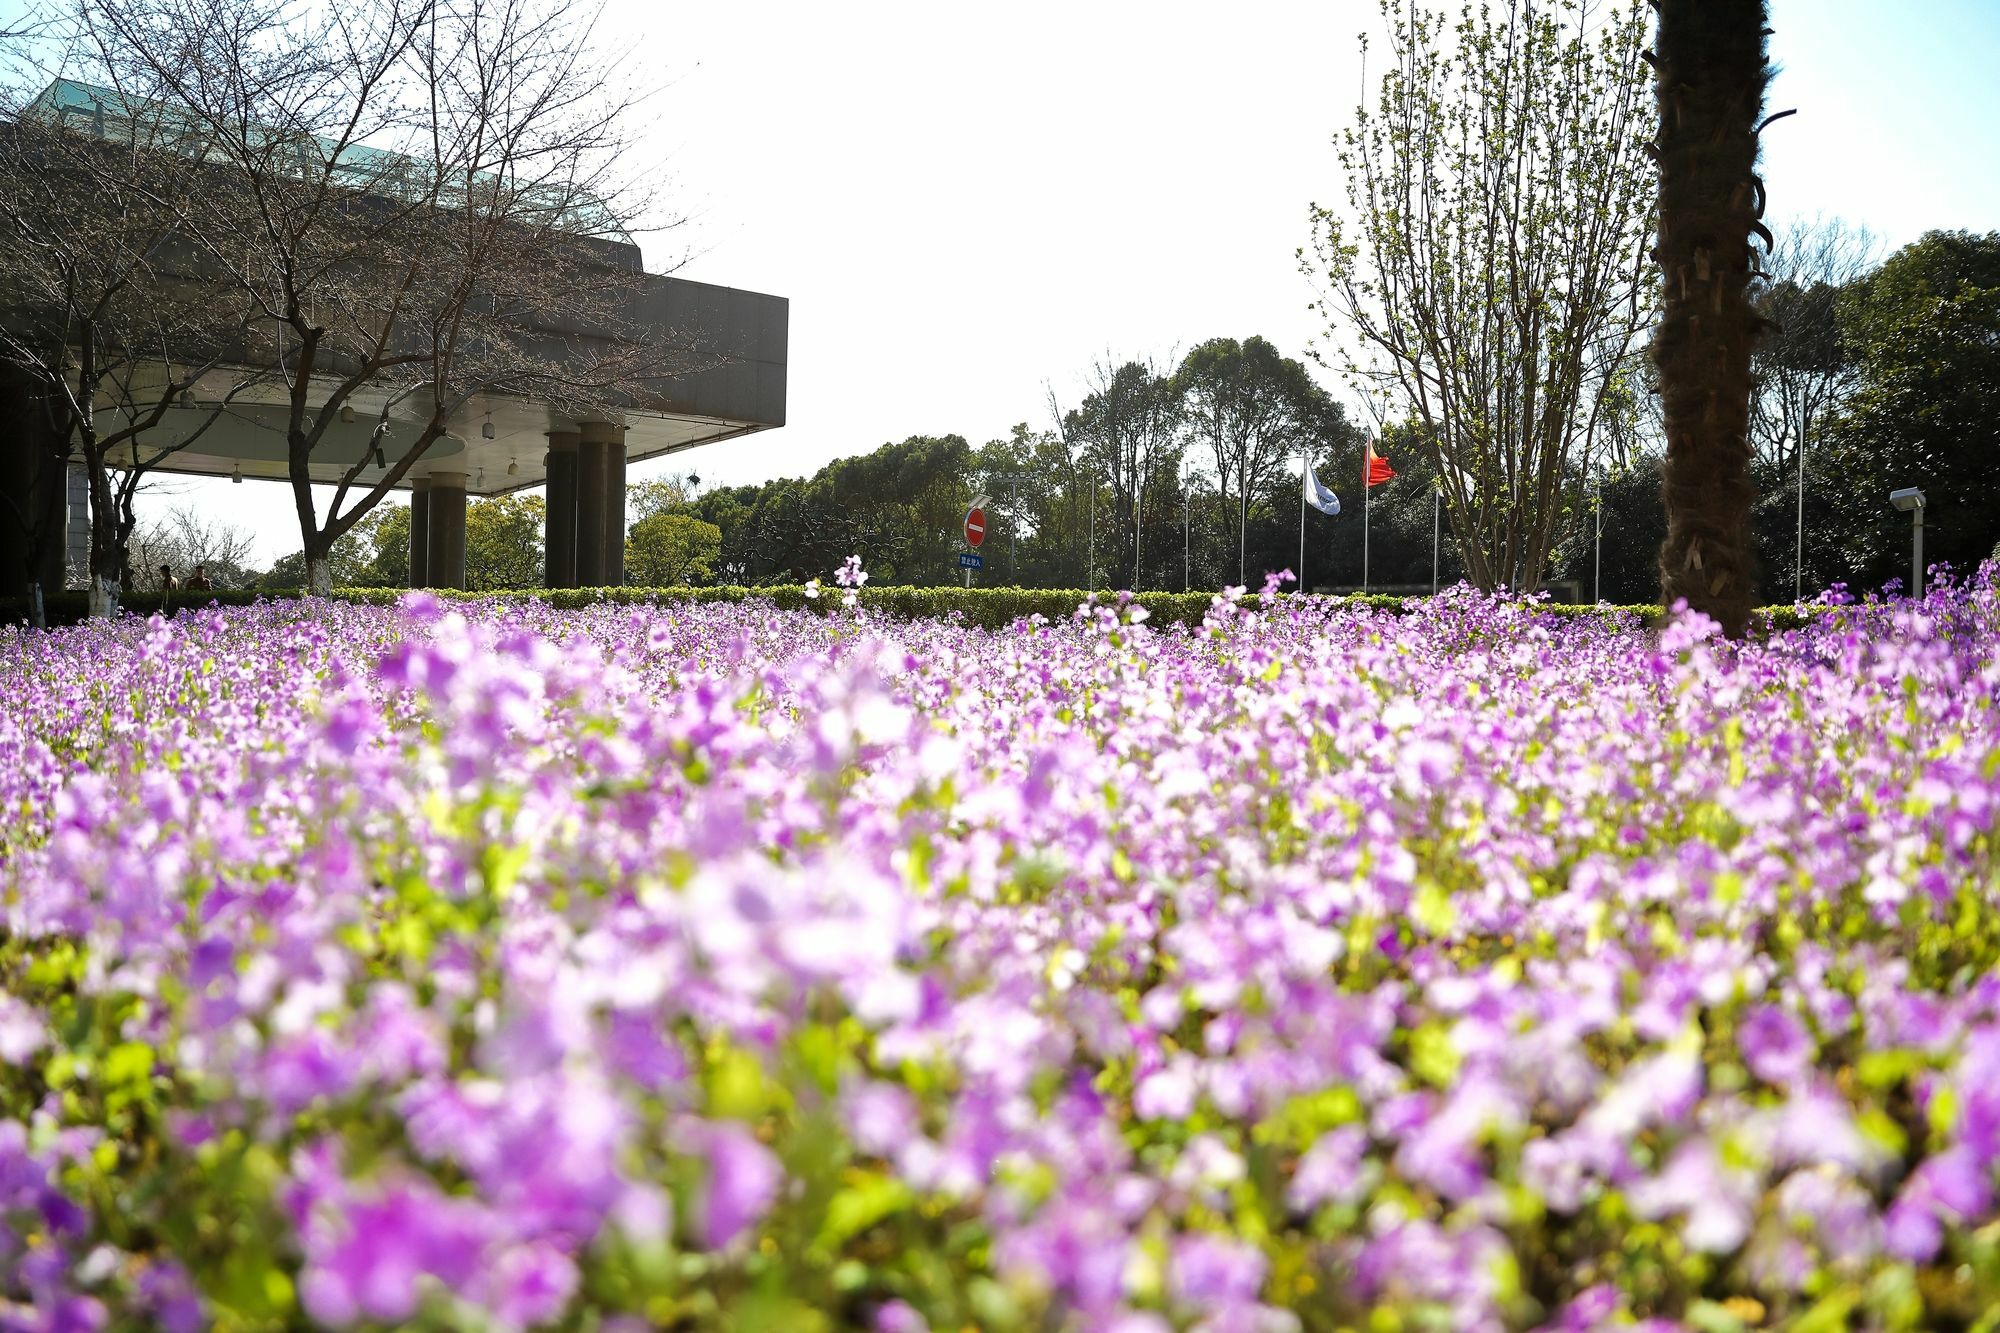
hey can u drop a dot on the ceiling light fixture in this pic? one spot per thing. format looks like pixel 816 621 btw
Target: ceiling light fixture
pixel 236 474
pixel 347 411
pixel 513 468
pixel 486 431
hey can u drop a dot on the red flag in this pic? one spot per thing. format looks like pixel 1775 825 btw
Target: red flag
pixel 1378 469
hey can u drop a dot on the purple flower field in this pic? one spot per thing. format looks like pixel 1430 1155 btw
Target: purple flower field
pixel 719 967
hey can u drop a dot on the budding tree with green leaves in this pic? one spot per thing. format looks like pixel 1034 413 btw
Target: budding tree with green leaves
pixel 1487 277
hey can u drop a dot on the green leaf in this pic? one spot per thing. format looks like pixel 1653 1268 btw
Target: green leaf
pixel 129 1062
pixel 860 1206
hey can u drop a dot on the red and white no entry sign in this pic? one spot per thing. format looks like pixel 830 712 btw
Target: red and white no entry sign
pixel 975 527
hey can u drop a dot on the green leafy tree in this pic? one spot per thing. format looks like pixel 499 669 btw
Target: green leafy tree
pixel 672 494
pixel 385 533
pixel 1039 510
pixel 1254 413
pixel 1486 276
pixel 730 508
pixel 1925 329
pixel 672 551
pixel 1127 432
pixel 349 564
pixel 900 507
pixel 503 543
pixel 1711 75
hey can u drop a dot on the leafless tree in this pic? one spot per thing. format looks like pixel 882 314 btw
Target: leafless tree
pixel 1128 429
pixel 1255 412
pixel 1488 279
pixel 1803 370
pixel 183 539
pixel 418 201
pixel 101 318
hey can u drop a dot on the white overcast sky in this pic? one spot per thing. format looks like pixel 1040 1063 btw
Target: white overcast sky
pixel 966 201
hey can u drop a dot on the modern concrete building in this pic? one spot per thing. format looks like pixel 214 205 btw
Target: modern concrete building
pixel 497 443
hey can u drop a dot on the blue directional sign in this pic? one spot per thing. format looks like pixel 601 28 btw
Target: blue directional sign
pixel 967 560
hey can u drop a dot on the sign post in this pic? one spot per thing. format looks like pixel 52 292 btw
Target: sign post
pixel 975 535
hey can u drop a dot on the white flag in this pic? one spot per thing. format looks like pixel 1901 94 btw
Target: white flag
pixel 1465 479
pixel 1318 496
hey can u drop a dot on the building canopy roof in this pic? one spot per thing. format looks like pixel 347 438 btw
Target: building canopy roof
pixel 115 116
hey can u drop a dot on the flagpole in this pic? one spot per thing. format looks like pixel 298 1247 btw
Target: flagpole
pixel 1366 449
pixel 1597 569
pixel 1799 550
pixel 1305 467
pixel 1090 559
pixel 1437 519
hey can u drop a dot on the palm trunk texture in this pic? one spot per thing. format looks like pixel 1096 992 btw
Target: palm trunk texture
pixel 1711 76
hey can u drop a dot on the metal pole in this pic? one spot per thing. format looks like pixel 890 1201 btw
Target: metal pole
pixel 1242 526
pixel 1305 464
pixel 1013 526
pixel 1365 501
pixel 1597 566
pixel 1437 527
pixel 1138 530
pixel 1917 550
pixel 1799 548
pixel 1187 535
pixel 1090 560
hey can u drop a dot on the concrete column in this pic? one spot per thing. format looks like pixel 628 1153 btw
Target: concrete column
pixel 445 563
pixel 76 552
pixel 34 477
pixel 605 440
pixel 420 533
pixel 614 504
pixel 593 462
pixel 559 532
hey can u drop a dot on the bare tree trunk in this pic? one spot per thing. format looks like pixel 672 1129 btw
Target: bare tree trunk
pixel 106 551
pixel 1711 79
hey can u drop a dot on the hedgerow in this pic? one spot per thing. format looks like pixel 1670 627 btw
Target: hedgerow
pixel 988 608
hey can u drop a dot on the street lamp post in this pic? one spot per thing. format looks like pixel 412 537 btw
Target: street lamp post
pixel 1911 500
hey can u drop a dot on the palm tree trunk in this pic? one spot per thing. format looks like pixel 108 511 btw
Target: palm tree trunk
pixel 1711 75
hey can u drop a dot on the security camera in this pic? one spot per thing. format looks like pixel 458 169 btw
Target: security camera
pixel 1907 499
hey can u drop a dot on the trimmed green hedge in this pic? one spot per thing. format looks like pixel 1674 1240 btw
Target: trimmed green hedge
pixel 991 608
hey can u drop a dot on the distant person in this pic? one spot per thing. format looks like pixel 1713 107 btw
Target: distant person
pixel 198 581
pixel 167 580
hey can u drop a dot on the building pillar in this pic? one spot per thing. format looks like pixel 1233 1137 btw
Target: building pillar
pixel 593 461
pixel 445 561
pixel 33 529
pixel 559 531
pixel 76 555
pixel 606 441
pixel 420 533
